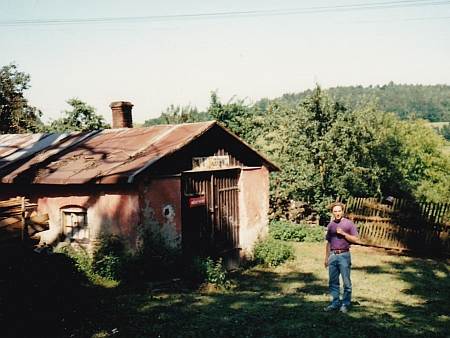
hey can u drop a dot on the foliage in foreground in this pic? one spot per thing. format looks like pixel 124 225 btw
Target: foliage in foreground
pixel 287 231
pixel 272 252
pixel 206 270
pixel 111 263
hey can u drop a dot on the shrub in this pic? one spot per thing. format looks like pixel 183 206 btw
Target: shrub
pixel 109 257
pixel 154 259
pixel 272 252
pixel 287 231
pixel 215 272
pixel 80 258
pixel 206 270
pixel 104 265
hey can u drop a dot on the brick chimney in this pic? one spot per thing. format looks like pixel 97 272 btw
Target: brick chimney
pixel 121 114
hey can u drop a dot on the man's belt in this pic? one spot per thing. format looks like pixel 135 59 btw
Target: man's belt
pixel 337 252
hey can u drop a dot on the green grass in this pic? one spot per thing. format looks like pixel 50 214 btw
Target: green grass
pixel 394 296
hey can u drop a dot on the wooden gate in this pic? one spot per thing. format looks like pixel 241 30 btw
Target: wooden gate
pixel 210 222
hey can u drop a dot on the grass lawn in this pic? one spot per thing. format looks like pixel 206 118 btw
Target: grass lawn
pixel 394 296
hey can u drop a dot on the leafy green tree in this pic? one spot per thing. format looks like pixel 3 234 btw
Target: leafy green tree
pixel 176 115
pixel 16 116
pixel 81 118
pixel 444 131
pixel 421 163
pixel 327 149
pixel 234 115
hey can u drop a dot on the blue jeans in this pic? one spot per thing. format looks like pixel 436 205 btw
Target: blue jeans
pixel 340 265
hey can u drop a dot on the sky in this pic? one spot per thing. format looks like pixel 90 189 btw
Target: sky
pixel 160 53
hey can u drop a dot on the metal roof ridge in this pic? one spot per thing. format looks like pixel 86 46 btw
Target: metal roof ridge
pixel 249 146
pixel 208 124
pixel 151 142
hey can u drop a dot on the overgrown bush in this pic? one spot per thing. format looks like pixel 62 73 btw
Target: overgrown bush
pixel 80 258
pixel 110 257
pixel 272 252
pixel 206 270
pixel 154 260
pixel 287 231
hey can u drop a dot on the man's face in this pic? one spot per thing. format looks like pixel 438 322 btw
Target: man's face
pixel 337 212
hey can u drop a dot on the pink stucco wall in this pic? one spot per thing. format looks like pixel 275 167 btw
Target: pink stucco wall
pixel 160 207
pixel 123 211
pixel 253 206
pixel 108 212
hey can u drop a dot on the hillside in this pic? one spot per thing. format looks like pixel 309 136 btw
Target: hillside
pixel 431 103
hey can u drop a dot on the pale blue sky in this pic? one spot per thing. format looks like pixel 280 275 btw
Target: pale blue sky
pixel 157 53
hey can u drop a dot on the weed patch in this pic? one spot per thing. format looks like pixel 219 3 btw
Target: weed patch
pixel 296 232
pixel 272 252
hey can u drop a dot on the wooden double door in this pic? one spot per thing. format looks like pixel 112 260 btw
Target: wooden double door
pixel 210 215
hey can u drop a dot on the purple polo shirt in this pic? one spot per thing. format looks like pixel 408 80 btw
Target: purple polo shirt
pixel 338 242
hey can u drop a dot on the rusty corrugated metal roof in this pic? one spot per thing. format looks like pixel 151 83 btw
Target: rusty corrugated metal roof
pixel 102 156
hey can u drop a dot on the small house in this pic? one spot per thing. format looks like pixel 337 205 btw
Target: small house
pixel 196 184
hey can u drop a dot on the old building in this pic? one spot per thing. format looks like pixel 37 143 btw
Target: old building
pixel 197 184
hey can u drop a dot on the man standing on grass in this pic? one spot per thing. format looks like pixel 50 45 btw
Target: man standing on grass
pixel 341 232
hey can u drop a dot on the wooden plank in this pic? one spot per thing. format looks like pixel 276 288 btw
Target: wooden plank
pixel 40 219
pixel 8 221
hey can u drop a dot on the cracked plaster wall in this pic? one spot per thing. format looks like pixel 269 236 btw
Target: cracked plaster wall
pixel 161 209
pixel 253 207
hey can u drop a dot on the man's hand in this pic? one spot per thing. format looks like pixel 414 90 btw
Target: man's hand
pixel 326 264
pixel 348 237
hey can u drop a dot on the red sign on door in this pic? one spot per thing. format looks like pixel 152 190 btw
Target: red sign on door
pixel 197 201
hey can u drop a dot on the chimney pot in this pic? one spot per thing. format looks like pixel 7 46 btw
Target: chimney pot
pixel 121 114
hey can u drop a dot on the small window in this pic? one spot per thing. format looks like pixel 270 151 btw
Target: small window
pixel 75 224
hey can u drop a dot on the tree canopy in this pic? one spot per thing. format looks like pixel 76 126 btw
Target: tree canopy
pixel 327 148
pixel 16 116
pixel 177 114
pixel 81 118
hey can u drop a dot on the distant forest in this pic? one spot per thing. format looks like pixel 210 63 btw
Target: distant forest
pixel 430 103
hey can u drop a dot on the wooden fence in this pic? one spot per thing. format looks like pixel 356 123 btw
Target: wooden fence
pixel 401 224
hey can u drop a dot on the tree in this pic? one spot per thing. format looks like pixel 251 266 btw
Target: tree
pixel 176 115
pixel 425 168
pixel 328 149
pixel 444 131
pixel 234 115
pixel 16 116
pixel 81 118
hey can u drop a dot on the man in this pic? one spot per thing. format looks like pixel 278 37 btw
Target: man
pixel 341 232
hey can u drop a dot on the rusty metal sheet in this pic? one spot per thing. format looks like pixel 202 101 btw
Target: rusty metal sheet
pixel 102 157
pixel 21 152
